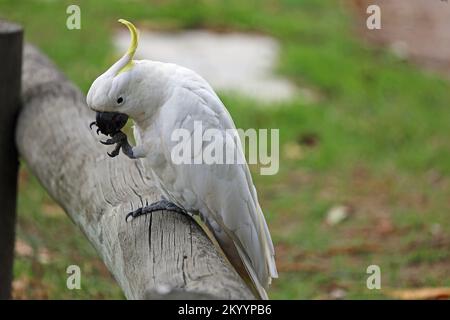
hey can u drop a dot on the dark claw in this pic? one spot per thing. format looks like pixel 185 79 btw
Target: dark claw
pixel 107 142
pixel 129 215
pixel 92 123
pixel 115 152
pixel 133 214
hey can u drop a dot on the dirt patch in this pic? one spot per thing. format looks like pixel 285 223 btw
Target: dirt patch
pixel 417 30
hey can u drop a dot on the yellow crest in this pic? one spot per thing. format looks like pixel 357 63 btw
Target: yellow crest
pixel 133 45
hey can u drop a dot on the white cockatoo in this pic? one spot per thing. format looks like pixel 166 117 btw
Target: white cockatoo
pixel 161 98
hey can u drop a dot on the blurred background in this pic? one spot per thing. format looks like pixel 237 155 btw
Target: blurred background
pixel 364 119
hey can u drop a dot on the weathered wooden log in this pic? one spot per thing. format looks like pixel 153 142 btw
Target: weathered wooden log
pixel 10 74
pixel 162 255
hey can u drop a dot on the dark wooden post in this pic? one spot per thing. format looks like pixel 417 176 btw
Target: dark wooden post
pixel 10 79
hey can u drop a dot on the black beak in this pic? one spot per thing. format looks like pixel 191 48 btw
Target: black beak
pixel 110 123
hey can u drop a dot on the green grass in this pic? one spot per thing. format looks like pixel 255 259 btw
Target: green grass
pixel 382 147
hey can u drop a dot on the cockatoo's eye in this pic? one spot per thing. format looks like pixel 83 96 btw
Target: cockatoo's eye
pixel 119 100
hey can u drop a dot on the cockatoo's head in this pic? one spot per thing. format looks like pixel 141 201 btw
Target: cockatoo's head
pixel 117 90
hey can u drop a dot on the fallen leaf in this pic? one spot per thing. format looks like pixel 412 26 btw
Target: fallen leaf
pixel 308 139
pixel 19 288
pixel 23 178
pixel 385 226
pixel 353 250
pixel 44 256
pixel 338 293
pixel 420 294
pixel 23 249
pixel 436 229
pixel 400 49
pixel 52 210
pixel 337 214
pixel 25 288
pixel 292 151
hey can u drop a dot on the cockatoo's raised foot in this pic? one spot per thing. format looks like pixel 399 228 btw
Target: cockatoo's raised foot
pixel 110 124
pixel 121 141
pixel 157 206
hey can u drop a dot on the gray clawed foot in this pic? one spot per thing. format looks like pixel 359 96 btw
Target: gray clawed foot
pixel 121 142
pixel 157 206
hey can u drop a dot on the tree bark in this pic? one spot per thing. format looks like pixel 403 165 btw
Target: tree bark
pixel 10 75
pixel 161 255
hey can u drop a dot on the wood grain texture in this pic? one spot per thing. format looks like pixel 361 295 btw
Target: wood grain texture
pixel 11 61
pixel 162 255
